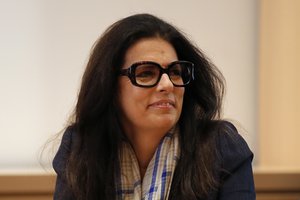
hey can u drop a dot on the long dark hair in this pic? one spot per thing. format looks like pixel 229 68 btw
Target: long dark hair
pixel 93 161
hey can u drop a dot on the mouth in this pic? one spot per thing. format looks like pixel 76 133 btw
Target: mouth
pixel 163 104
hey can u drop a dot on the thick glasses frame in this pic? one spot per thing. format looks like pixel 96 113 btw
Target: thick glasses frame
pixel 130 72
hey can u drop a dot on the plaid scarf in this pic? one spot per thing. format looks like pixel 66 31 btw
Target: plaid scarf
pixel 157 181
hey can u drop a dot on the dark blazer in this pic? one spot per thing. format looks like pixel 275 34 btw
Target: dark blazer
pixel 236 157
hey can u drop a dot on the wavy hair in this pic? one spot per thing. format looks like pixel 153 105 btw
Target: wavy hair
pixel 90 171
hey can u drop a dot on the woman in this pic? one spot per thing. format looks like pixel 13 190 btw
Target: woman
pixel 147 123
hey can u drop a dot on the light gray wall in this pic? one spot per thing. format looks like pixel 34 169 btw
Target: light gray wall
pixel 45 46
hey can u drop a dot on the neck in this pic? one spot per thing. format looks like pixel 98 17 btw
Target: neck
pixel 144 144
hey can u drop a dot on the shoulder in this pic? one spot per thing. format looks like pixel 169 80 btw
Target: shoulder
pixel 232 148
pixel 60 163
pixel 235 157
pixel 64 150
pixel 233 151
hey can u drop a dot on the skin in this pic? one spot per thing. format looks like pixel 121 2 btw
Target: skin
pixel 147 114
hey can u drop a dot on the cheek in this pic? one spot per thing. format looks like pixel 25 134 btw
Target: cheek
pixel 180 95
pixel 132 99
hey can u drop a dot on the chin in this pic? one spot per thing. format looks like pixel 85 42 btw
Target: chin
pixel 166 122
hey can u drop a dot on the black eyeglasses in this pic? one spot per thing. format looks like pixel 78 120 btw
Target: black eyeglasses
pixel 148 73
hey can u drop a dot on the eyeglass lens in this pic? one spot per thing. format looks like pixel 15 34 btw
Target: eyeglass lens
pixel 149 74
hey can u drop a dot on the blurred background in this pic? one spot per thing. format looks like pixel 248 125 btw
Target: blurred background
pixel 44 47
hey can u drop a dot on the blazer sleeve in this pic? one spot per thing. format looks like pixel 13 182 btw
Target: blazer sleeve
pixel 236 160
pixel 59 165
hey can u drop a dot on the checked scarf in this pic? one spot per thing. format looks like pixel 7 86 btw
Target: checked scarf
pixel 157 180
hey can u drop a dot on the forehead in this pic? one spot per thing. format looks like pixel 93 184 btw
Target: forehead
pixel 150 49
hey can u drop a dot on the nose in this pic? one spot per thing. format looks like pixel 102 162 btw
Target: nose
pixel 165 84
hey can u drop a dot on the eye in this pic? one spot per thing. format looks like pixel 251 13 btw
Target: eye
pixel 145 74
pixel 146 71
pixel 175 71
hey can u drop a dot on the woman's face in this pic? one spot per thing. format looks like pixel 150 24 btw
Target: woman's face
pixel 155 108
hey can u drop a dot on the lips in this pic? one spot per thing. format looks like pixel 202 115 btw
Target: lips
pixel 163 104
